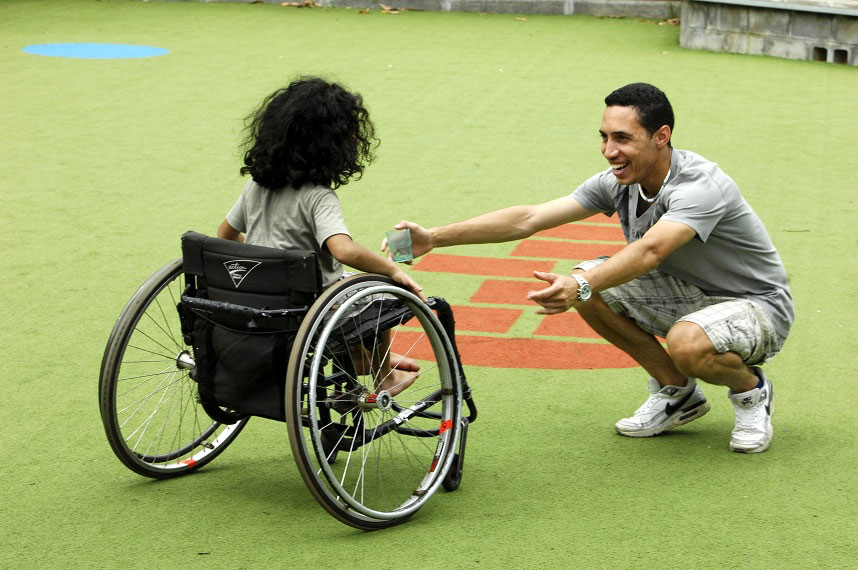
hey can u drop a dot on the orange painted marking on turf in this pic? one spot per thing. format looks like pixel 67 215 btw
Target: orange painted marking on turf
pixel 602 218
pixel 506 292
pixel 581 231
pixel 535 353
pixel 545 354
pixel 564 250
pixel 569 324
pixel 481 319
pixel 525 353
pixel 467 265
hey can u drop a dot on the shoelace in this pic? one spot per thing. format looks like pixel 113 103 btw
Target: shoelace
pixel 747 419
pixel 650 402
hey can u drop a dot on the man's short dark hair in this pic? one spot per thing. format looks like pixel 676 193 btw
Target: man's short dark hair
pixel 654 110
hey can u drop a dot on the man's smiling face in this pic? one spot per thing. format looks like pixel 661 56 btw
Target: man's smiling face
pixel 631 151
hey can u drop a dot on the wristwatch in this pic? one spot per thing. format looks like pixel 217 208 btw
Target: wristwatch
pixel 584 289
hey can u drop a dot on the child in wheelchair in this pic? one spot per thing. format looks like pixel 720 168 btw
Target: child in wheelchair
pixel 304 142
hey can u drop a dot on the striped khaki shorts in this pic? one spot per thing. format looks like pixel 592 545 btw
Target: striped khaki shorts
pixel 657 301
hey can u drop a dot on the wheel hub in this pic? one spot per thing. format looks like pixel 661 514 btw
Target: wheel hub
pixel 381 401
pixel 185 361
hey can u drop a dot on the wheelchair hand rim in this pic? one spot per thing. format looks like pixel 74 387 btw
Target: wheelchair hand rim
pixel 433 479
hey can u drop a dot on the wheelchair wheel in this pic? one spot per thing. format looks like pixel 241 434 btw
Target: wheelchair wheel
pixel 148 401
pixel 370 458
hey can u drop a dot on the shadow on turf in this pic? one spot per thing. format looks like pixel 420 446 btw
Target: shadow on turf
pixel 236 484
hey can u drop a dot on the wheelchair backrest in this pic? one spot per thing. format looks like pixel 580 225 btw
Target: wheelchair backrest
pixel 240 311
pixel 250 275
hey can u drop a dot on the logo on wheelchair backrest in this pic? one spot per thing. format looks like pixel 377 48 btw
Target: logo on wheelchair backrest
pixel 239 269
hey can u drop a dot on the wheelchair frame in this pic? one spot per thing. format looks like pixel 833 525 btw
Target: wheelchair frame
pixel 371 459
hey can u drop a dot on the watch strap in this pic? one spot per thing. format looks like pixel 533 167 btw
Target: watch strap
pixel 582 283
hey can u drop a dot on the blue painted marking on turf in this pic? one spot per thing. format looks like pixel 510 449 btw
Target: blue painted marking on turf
pixel 95 51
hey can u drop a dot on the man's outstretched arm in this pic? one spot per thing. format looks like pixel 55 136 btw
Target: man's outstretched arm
pixel 507 224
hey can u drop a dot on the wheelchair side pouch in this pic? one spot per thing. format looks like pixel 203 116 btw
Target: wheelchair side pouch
pixel 242 371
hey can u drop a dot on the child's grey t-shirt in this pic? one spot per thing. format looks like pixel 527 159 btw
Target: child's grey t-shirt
pixel 291 219
pixel 731 255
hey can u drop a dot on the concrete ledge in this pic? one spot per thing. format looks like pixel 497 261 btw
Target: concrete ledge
pixel 650 9
pixel 842 7
pixel 653 10
pixel 822 30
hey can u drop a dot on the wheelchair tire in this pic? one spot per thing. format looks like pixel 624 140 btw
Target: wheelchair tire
pixel 148 401
pixel 369 458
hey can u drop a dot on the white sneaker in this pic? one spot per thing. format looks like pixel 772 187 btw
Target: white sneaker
pixel 754 409
pixel 666 408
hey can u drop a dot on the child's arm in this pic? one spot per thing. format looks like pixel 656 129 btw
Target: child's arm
pixel 226 231
pixel 355 255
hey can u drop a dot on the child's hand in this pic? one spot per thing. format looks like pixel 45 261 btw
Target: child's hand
pixel 404 279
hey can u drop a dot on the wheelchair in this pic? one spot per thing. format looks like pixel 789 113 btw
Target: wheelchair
pixel 231 331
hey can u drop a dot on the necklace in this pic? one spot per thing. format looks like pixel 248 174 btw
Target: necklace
pixel 651 200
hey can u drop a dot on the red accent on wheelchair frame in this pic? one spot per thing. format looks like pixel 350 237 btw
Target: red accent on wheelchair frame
pixel 434 465
pixel 371 399
pixel 445 425
pixel 189 462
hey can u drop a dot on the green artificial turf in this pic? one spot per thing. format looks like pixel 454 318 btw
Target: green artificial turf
pixel 107 162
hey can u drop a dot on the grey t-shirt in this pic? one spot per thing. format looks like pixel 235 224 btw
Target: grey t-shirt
pixel 291 219
pixel 732 254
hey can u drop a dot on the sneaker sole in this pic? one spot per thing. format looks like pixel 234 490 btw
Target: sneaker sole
pixel 759 449
pixel 681 418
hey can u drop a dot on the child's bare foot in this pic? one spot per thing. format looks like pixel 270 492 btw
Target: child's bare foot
pixel 403 363
pixel 396 381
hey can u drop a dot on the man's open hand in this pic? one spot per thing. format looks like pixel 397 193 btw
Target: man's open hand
pixel 560 295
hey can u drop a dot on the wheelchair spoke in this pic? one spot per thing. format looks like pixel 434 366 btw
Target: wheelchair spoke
pixel 360 479
pixel 348 462
pixel 147 376
pixel 161 355
pixel 163 322
pixel 388 349
pixel 164 390
pixel 167 351
pixel 155 439
pixel 141 430
pixel 174 405
pixel 167 376
pixel 167 320
pixel 144 399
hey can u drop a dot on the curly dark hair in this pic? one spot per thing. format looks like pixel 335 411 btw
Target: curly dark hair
pixel 310 132
pixel 653 107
